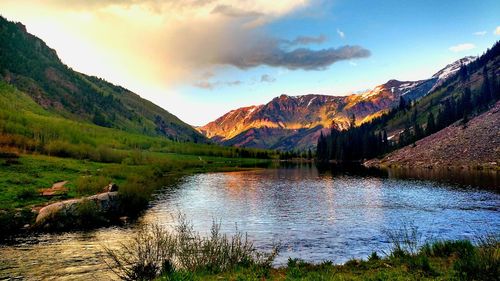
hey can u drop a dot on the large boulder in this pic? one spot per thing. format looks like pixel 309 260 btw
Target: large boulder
pixel 79 213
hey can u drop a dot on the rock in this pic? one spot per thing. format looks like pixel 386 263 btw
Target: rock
pixel 112 187
pixel 57 188
pixel 64 214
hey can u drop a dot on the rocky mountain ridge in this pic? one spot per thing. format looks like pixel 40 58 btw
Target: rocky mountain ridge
pixel 295 122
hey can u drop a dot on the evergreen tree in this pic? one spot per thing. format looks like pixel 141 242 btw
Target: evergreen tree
pixel 431 125
pixel 352 121
pixel 402 103
pixel 486 89
pixel 463 73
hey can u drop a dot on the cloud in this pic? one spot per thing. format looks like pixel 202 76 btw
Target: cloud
pixel 231 11
pixel 151 46
pixel 267 78
pixel 462 47
pixel 301 58
pixel 497 30
pixel 305 40
pixel 340 33
pixel 207 85
pixel 480 33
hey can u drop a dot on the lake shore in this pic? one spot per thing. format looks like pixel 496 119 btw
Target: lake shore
pixel 24 184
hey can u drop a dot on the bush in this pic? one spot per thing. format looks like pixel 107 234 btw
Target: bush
pixel 146 256
pixel 404 241
pixel 108 155
pixel 447 248
pixel 88 185
pixel 421 262
pixel 88 215
pixel 12 221
pixel 373 257
pixel 481 262
pixel 155 251
pixel 26 193
pixel 135 194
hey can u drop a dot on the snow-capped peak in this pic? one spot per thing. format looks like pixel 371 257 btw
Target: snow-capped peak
pixel 453 67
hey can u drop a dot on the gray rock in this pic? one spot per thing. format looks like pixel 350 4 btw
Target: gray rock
pixel 106 204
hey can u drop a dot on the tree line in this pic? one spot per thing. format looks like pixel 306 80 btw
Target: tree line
pixel 370 139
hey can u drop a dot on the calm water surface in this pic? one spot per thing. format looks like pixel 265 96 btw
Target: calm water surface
pixel 316 216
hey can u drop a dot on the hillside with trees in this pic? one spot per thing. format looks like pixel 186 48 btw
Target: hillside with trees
pixel 30 66
pixel 473 90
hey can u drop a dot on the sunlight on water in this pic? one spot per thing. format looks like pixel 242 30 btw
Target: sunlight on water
pixel 316 216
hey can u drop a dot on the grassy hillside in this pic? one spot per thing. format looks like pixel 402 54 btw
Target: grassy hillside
pixel 39 147
pixel 27 127
pixel 29 65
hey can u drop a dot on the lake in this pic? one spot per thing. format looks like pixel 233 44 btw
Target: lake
pixel 316 214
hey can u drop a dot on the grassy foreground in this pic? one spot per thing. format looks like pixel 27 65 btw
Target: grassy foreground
pixel 156 253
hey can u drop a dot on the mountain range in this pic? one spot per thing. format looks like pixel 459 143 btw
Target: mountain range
pixel 295 122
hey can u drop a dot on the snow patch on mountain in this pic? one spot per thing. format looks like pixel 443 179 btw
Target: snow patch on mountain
pixel 449 70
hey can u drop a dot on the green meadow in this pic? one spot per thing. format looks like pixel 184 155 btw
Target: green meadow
pixel 38 148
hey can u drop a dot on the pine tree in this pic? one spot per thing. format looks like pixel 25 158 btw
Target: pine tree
pixel 431 125
pixel 352 121
pixel 463 73
pixel 402 103
pixel 486 90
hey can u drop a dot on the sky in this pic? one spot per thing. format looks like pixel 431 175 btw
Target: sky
pixel 199 59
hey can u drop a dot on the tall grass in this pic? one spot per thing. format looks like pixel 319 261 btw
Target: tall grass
pixel 155 251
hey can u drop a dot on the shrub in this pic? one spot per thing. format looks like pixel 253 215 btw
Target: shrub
pixel 155 251
pixel 447 248
pixel 88 214
pixel 135 194
pixel 373 257
pixel 13 220
pixel 404 240
pixel 26 193
pixel 108 155
pixel 88 185
pixel 481 262
pixel 421 262
pixel 148 254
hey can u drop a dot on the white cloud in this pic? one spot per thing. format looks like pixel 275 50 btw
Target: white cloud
pixel 497 30
pixel 462 47
pixel 140 43
pixel 480 33
pixel 340 33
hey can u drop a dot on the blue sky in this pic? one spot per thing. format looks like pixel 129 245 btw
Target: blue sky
pixel 408 40
pixel 194 60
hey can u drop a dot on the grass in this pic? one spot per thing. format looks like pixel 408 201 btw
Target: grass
pixel 19 183
pixel 182 254
pixel 54 148
pixel 22 179
pixel 155 251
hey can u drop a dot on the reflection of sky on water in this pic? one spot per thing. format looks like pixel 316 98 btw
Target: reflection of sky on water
pixel 316 216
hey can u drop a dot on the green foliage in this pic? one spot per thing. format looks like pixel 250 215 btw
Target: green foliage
pixel 135 194
pixel 26 193
pixel 89 185
pixel 177 254
pixel 14 219
pixel 481 262
pixel 470 91
pixel 447 248
pixel 87 215
pixel 32 67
